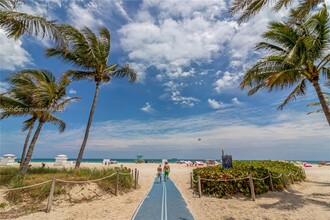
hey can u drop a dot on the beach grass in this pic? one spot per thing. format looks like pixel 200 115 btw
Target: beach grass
pixel 10 179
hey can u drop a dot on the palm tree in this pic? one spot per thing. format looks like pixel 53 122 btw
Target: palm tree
pixel 299 53
pixel 9 106
pixel 251 7
pixel 90 54
pixel 47 97
pixel 17 102
pixel 17 23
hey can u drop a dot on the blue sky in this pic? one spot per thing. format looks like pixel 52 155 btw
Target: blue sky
pixel 190 57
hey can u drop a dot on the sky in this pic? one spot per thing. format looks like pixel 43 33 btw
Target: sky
pixel 190 57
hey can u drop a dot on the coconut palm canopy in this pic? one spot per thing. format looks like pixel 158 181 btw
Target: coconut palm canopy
pixel 299 53
pixel 89 53
pixel 189 60
pixel 35 93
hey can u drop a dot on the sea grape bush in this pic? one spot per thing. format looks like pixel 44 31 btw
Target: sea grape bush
pixel 241 169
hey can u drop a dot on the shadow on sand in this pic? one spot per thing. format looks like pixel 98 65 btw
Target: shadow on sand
pixel 292 199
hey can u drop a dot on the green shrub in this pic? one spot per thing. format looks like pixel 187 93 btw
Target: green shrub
pixel 241 169
pixel 3 205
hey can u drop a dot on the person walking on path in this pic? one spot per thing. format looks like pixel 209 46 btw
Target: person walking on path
pixel 166 171
pixel 159 173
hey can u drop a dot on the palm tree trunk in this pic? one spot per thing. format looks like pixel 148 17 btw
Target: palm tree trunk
pixel 90 119
pixel 323 101
pixel 30 150
pixel 26 144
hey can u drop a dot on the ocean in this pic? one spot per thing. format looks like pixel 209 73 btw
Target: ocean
pixel 50 160
pixel 173 160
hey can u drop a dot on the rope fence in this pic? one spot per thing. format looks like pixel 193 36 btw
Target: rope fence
pixel 249 177
pixel 24 187
pixel 54 180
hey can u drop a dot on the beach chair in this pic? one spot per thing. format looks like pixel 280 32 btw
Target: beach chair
pixel 199 163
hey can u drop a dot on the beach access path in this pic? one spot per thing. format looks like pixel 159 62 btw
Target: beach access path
pixel 164 201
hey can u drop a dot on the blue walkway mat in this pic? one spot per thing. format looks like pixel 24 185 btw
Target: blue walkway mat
pixel 163 202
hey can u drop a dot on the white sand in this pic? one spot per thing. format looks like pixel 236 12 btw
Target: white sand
pixel 308 200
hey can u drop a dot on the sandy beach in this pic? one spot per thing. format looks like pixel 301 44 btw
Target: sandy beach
pixel 307 200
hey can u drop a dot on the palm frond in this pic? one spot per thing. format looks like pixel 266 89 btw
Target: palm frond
pixel 256 89
pixel 27 124
pixel 270 47
pixel 81 48
pixel 62 105
pixel 125 72
pixel 9 4
pixel 315 111
pixel 238 5
pixel 282 34
pixel 105 42
pixel 324 62
pixel 92 48
pixel 56 121
pixel 81 75
pixel 252 9
pixel 249 8
pixel 300 90
pixel 16 24
pixel 319 103
pixel 66 56
pixel 305 7
pixel 280 4
pixel 12 105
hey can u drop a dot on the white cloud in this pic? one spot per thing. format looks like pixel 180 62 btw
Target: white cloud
pixel 214 104
pixel 222 129
pixel 227 81
pixel 174 35
pixel 83 16
pixel 147 108
pixel 236 101
pixel 173 93
pixel 248 34
pixel 72 91
pixel 12 54
pixel 187 8
pixel 171 44
pixel 177 98
pixel 96 12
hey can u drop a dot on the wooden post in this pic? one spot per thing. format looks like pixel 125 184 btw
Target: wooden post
pixel 292 180
pixel 283 180
pixel 117 183
pixel 199 187
pixel 271 181
pixel 253 195
pixel 135 175
pixel 191 180
pixel 304 172
pixel 51 194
